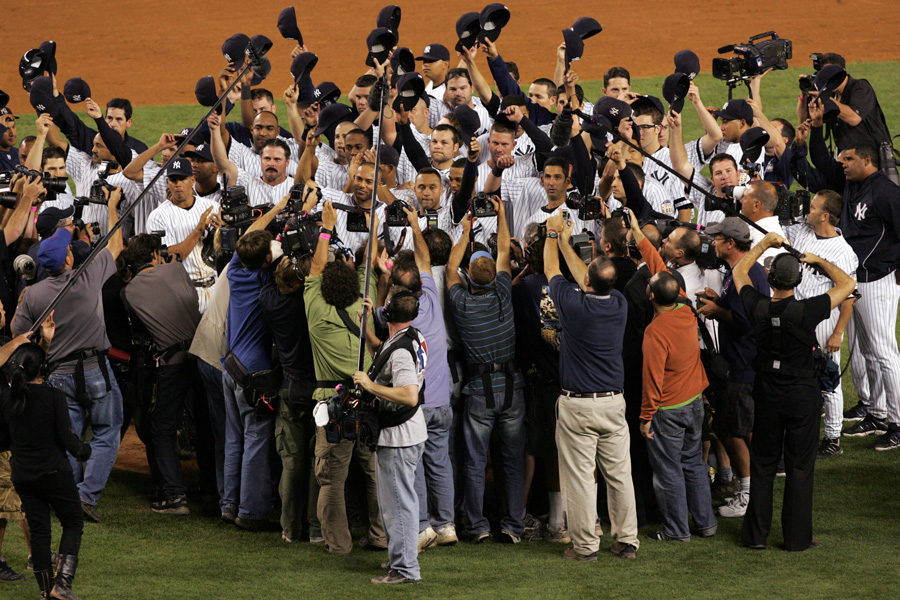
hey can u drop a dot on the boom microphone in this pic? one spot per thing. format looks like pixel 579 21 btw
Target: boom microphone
pixel 561 130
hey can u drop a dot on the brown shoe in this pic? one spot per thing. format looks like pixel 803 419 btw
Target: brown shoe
pixel 570 553
pixel 393 577
pixel 623 551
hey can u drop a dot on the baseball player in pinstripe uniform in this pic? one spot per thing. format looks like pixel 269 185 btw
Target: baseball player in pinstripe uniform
pixel 870 222
pixel 186 220
pixel 820 237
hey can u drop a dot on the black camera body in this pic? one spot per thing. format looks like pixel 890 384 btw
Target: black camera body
pixel 754 58
pixel 482 206
pixel 298 192
pixel 792 206
pixel 625 214
pixel 235 206
pixel 431 219
pixel 8 198
pixel 357 221
pixel 807 83
pixel 583 245
pixel 394 215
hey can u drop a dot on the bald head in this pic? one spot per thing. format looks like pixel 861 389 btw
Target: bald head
pixel 664 289
pixel 601 275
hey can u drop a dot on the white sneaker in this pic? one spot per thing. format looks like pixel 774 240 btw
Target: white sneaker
pixel 737 506
pixel 427 538
pixel 446 535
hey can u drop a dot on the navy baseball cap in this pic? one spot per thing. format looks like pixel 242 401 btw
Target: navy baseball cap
pixel 586 27
pixel 434 52
pixel 828 79
pixel 648 100
pixel 389 17
pixel 469 122
pixel 380 42
pixel 574 46
pixel 302 66
pixel 326 93
pixel 201 151
pixel 597 129
pixel 410 87
pixel 179 137
pixel 49 48
pixel 331 115
pixel 674 90
pixel 54 249
pixel 288 26
pixel 8 111
pixel 493 19
pixel 688 63
pixel 4 99
pixel 403 61
pixel 613 109
pixel 235 48
pixel 179 167
pixel 752 143
pixel 205 91
pixel 49 218
pixel 468 28
pixel 41 96
pixel 735 110
pixel 76 90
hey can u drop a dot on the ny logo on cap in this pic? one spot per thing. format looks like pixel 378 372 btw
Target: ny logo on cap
pixel 427 49
pixel 77 97
pixel 228 58
pixel 317 92
pixel 176 164
pixel 41 107
pixel 613 111
pixel 200 148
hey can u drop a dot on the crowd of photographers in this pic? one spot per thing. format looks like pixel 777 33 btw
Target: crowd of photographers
pixel 554 290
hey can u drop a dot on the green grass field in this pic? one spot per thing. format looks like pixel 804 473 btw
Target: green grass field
pixel 135 554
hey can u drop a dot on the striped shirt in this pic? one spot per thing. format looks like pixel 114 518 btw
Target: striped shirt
pixel 63 200
pixel 835 250
pixel 674 198
pixel 330 174
pixel 485 324
pixel 438 110
pixel 405 170
pixel 259 192
pixel 513 178
pixel 178 223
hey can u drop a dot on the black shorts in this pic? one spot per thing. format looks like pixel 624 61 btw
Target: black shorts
pixel 540 417
pixel 734 411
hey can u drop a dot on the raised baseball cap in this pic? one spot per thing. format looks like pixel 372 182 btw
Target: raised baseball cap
pixel 469 123
pixel 613 109
pixel 468 28
pixel 752 143
pixel 235 48
pixel 730 227
pixel 648 100
pixel 205 91
pixel 302 66
pixel 688 63
pixel 179 137
pixel 288 26
pixel 179 167
pixel 493 19
pixel 380 42
pixel 326 93
pixel 33 64
pixel 4 99
pixel 76 90
pixel 41 96
pixel 331 115
pixel 674 90
pixel 434 52
pixel 201 151
pixel 574 46
pixel 403 61
pixel 735 110
pixel 389 17
pixel 828 79
pixel 410 87
pixel 54 249
pixel 389 155
pixel 586 27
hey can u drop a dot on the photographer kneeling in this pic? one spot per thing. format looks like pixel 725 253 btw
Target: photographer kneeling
pixel 786 391
pixel 398 369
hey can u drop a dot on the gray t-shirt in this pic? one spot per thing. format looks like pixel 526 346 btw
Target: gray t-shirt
pixel 78 317
pixel 165 301
pixel 401 370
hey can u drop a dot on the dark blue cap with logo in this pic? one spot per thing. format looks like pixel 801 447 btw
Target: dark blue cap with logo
pixel 287 25
pixel 179 167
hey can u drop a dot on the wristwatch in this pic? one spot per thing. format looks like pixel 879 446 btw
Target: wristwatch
pixel 552 234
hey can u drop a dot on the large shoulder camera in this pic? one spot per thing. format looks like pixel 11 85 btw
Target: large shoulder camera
pixel 482 206
pixel 792 206
pixel 301 235
pixel 583 245
pixel 298 192
pixel 588 207
pixel 96 194
pixel 236 217
pixel 8 198
pixel 754 58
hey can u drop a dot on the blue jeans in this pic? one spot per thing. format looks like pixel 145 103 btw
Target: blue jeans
pixel 105 415
pixel 680 477
pixel 395 472
pixel 248 476
pixel 478 424
pixel 434 475
pixel 215 398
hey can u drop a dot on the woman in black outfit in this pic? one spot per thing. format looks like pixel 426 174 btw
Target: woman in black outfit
pixel 35 425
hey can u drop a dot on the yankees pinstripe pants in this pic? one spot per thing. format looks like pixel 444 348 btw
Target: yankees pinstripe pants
pixel 834 401
pixel 874 325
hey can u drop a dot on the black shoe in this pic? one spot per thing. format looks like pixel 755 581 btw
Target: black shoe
pixel 91 512
pixel 857 413
pixel 366 544
pixel 176 505
pixel 867 426
pixel 661 536
pixel 254 524
pixel 623 551
pixel 8 574
pixel 829 449
pixel 65 574
pixel 889 440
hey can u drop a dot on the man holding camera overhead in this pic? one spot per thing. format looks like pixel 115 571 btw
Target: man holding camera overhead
pixel 78 355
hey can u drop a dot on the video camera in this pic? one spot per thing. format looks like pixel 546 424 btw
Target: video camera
pixel 482 206
pixel 706 258
pixel 583 245
pixel 163 249
pixel 394 215
pixel 589 207
pixel 300 235
pixel 754 58
pixel 236 217
pixel 808 82
pixel 792 206
pixel 298 192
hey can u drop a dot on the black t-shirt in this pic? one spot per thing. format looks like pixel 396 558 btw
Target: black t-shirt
pixel 859 96
pixel 787 393
pixel 286 318
pixel 531 349
pixel 625 270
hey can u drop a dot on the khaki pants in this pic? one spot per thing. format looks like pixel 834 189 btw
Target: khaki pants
pixel 332 463
pixel 592 432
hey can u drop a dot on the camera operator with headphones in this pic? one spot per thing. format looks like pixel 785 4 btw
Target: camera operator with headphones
pixel 786 391
pixel 398 370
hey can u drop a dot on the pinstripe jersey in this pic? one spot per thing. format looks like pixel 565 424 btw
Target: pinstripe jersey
pixel 330 174
pixel 259 192
pixel 405 170
pixel 513 178
pixel 63 200
pixel 835 250
pixel 438 110
pixel 531 198
pixel 247 160
pixel 674 198
pixel 178 223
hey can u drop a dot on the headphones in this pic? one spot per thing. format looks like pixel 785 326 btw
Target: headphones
pixel 791 276
pixel 388 314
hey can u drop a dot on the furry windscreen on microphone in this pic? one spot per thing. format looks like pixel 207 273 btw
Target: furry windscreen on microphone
pixel 263 69
pixel 561 130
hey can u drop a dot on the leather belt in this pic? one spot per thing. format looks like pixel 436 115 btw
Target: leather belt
pixel 593 395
